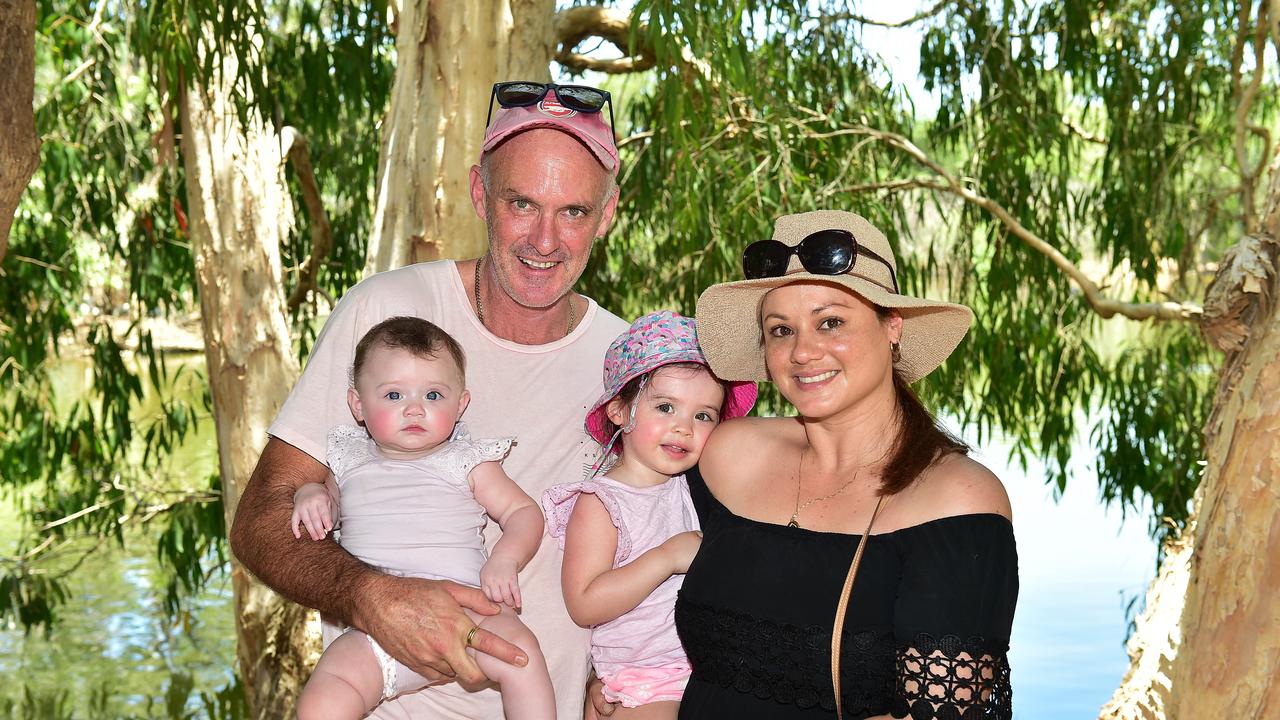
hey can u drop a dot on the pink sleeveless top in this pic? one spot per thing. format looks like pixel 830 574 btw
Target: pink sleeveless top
pixel 645 518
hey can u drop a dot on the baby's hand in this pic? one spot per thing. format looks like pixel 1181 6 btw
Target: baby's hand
pixel 681 548
pixel 500 582
pixel 313 508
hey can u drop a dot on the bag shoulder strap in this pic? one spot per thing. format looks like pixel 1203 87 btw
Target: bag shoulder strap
pixel 838 629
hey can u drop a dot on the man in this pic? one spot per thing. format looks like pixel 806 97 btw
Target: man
pixel 545 188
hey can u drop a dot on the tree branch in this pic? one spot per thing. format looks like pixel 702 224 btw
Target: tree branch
pixel 1104 306
pixel 576 24
pixel 297 151
pixel 1245 96
pixel 937 8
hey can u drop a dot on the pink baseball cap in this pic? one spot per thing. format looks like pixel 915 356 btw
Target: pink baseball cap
pixel 589 128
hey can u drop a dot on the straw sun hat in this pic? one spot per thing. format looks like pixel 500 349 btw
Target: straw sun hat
pixel 728 314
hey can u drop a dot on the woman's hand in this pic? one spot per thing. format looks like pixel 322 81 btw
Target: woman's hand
pixel 680 549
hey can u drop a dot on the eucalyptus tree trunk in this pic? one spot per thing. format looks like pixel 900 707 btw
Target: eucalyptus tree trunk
pixel 1208 644
pixel 19 145
pixel 448 55
pixel 240 211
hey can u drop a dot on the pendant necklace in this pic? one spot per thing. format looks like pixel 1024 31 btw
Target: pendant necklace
pixel 480 306
pixel 795 516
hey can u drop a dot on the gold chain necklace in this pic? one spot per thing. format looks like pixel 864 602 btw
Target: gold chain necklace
pixel 795 516
pixel 480 306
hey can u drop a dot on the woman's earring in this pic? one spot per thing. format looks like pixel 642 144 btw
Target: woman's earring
pixel 895 349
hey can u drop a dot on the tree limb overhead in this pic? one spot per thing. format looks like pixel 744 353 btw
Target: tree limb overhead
pixel 576 24
pixel 946 182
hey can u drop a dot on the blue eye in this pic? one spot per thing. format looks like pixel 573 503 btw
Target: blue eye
pixel 665 407
pixel 435 395
pixel 393 395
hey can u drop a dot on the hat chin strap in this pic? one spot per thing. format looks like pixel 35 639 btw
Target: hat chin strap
pixel 635 403
pixel 600 465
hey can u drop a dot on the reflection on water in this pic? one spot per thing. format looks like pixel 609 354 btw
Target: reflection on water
pixel 114 653
pixel 1079 566
pixel 113 639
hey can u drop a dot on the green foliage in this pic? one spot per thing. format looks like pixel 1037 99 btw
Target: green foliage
pixel 99 253
pixel 1105 129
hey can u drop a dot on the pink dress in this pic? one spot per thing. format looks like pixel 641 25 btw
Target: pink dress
pixel 637 655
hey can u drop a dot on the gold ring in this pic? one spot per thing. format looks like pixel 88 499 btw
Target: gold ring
pixel 471 634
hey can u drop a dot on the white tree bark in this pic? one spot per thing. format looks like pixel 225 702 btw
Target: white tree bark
pixel 19 144
pixel 448 55
pixel 240 211
pixel 1213 649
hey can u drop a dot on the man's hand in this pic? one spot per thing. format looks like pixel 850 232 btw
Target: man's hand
pixel 314 509
pixel 421 623
pixel 499 578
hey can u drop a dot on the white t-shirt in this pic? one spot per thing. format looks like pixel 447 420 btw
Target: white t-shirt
pixel 537 393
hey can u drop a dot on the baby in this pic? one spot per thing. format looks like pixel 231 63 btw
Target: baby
pixel 413 489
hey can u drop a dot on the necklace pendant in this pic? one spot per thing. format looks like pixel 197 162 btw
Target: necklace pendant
pixel 793 522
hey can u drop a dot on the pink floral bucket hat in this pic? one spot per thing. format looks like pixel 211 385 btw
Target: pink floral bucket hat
pixel 654 340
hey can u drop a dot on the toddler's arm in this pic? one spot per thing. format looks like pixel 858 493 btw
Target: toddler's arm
pixel 315 506
pixel 595 592
pixel 521 522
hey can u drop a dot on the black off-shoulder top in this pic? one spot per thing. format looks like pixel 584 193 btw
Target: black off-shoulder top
pixel 925 636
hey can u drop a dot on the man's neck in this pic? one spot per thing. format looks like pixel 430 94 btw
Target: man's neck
pixel 512 321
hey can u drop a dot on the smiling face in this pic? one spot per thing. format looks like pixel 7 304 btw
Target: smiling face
pixel 826 348
pixel 675 413
pixel 407 402
pixel 545 199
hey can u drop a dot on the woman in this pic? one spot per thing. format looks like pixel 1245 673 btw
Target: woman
pixel 787 500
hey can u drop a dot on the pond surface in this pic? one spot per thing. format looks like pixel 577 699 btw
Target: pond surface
pixel 1080 565
pixel 114 654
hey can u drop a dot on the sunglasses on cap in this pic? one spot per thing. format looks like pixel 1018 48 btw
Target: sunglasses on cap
pixel 522 93
pixel 826 252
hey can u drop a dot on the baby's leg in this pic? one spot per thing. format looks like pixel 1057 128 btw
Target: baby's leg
pixel 347 681
pixel 526 691
pixel 662 710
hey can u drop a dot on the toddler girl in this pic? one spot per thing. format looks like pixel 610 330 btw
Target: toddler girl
pixel 628 537
pixel 414 492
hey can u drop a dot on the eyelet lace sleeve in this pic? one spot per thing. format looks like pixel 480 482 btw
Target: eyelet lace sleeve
pixel 953 620
pixel 463 453
pixel 948 678
pixel 348 448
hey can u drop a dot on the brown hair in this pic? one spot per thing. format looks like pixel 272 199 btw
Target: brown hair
pixel 921 440
pixel 629 392
pixel 416 335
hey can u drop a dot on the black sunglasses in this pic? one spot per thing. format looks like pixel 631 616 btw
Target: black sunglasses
pixel 522 93
pixel 826 252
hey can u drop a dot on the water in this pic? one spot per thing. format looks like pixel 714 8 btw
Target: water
pixel 1079 565
pixel 114 654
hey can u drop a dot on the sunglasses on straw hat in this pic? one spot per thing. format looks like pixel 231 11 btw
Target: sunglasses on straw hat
pixel 825 252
